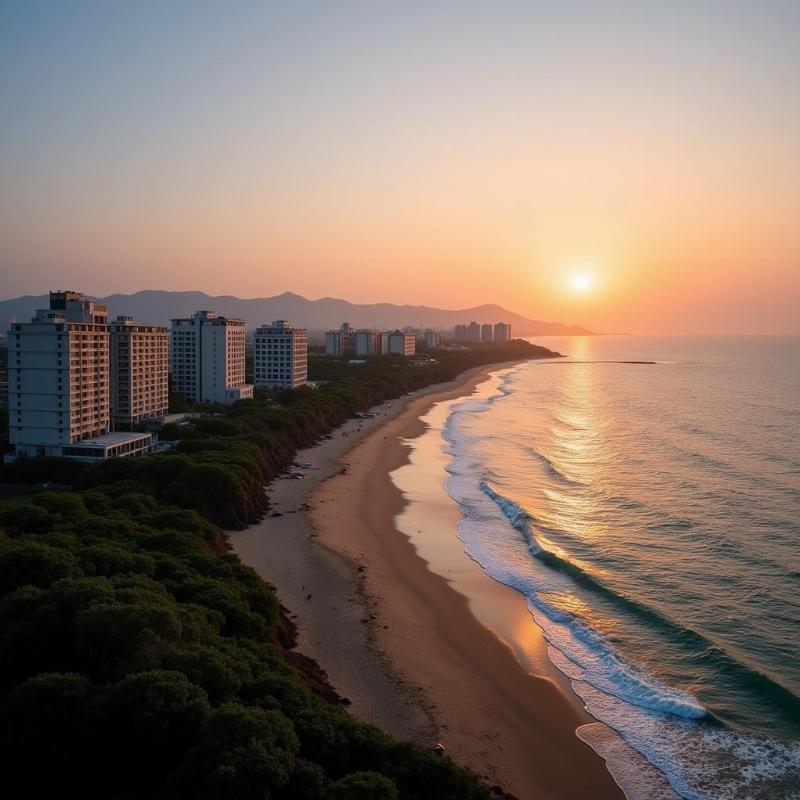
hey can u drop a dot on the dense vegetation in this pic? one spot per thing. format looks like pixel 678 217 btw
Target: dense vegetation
pixel 139 662
pixel 142 660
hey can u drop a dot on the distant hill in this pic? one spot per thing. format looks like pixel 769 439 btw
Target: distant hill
pixel 158 307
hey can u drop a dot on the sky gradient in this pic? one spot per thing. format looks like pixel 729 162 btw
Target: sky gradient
pixel 442 153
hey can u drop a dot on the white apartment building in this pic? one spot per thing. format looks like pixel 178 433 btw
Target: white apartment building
pixel 59 383
pixel 473 331
pixel 368 343
pixel 139 373
pixel 207 358
pixel 487 333
pixel 341 341
pixel 334 343
pixel 281 356
pixel 433 339
pixel 502 332
pixel 404 344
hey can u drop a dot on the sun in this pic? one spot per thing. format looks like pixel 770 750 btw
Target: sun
pixel 581 281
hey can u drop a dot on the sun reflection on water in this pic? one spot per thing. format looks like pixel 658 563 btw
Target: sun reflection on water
pixel 578 449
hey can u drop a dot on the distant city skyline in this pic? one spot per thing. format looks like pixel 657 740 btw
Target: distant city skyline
pixel 619 165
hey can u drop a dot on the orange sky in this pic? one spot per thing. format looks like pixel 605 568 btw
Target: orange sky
pixel 449 156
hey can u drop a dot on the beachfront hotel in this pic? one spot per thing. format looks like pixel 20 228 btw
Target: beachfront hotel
pixel 207 358
pixel 60 380
pixel 281 356
pixel 139 372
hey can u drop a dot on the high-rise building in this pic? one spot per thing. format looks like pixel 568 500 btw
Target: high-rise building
pixel 59 384
pixel 487 333
pixel 334 343
pixel 401 343
pixel 473 332
pixel 382 343
pixel 139 357
pixel 281 356
pixel 341 341
pixel 368 343
pixel 207 358
pixel 502 332
pixel 460 333
pixel 433 339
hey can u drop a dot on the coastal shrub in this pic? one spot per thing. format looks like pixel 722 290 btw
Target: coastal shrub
pixel 116 638
pixel 146 648
pixel 213 670
pixel 110 558
pixel 42 727
pixel 216 426
pixel 62 505
pixel 136 503
pixel 363 786
pixel 307 782
pixel 31 562
pixel 148 718
pixel 244 754
pixel 28 518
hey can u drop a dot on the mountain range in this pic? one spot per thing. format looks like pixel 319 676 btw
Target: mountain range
pixel 157 307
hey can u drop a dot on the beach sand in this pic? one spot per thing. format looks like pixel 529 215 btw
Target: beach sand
pixel 402 642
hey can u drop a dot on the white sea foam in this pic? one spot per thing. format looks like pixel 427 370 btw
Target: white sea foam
pixel 584 647
pixel 634 774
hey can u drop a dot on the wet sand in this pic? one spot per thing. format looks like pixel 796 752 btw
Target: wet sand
pixel 403 642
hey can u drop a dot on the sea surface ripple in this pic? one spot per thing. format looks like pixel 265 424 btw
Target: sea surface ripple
pixel 650 513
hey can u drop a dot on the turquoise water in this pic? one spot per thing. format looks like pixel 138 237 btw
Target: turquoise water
pixel 651 515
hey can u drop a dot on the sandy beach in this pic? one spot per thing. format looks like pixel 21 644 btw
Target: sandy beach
pixel 402 642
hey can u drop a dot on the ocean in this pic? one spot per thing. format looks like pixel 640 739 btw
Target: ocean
pixel 650 515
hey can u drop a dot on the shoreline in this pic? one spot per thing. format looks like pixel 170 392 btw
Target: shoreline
pixel 404 645
pixel 323 591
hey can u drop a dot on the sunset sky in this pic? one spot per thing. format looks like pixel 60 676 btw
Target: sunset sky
pixel 628 166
